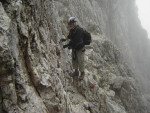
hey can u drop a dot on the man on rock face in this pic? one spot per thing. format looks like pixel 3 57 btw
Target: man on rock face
pixel 76 43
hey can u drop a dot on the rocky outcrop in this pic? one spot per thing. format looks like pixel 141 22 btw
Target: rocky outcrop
pixel 35 71
pixel 118 21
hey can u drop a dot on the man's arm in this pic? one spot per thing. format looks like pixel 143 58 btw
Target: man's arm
pixel 64 39
pixel 67 38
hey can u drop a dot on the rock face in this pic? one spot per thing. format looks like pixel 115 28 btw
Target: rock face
pixel 35 71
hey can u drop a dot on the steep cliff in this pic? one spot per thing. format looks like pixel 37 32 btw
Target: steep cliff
pixel 118 21
pixel 35 71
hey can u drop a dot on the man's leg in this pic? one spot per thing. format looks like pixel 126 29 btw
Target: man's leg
pixel 81 62
pixel 75 63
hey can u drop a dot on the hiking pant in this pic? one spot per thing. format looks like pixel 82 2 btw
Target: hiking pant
pixel 78 59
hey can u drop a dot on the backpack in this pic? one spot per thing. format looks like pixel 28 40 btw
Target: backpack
pixel 87 38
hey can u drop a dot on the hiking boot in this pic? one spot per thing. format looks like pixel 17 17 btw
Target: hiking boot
pixel 82 75
pixel 75 73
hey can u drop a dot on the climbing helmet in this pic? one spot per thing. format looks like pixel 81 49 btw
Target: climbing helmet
pixel 71 20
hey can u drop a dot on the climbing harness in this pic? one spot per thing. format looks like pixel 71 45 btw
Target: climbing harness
pixel 74 53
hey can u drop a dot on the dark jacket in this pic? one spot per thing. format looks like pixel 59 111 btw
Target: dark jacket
pixel 76 36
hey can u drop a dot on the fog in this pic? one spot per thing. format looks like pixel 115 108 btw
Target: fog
pixel 144 13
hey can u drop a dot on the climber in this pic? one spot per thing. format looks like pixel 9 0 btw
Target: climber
pixel 78 49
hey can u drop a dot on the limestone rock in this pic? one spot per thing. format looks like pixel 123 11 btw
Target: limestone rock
pixel 35 71
pixel 4 19
pixel 118 82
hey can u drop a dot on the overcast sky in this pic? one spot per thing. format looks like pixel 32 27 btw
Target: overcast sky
pixel 144 13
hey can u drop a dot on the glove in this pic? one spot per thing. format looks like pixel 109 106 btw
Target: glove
pixel 69 47
pixel 65 46
pixel 62 40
